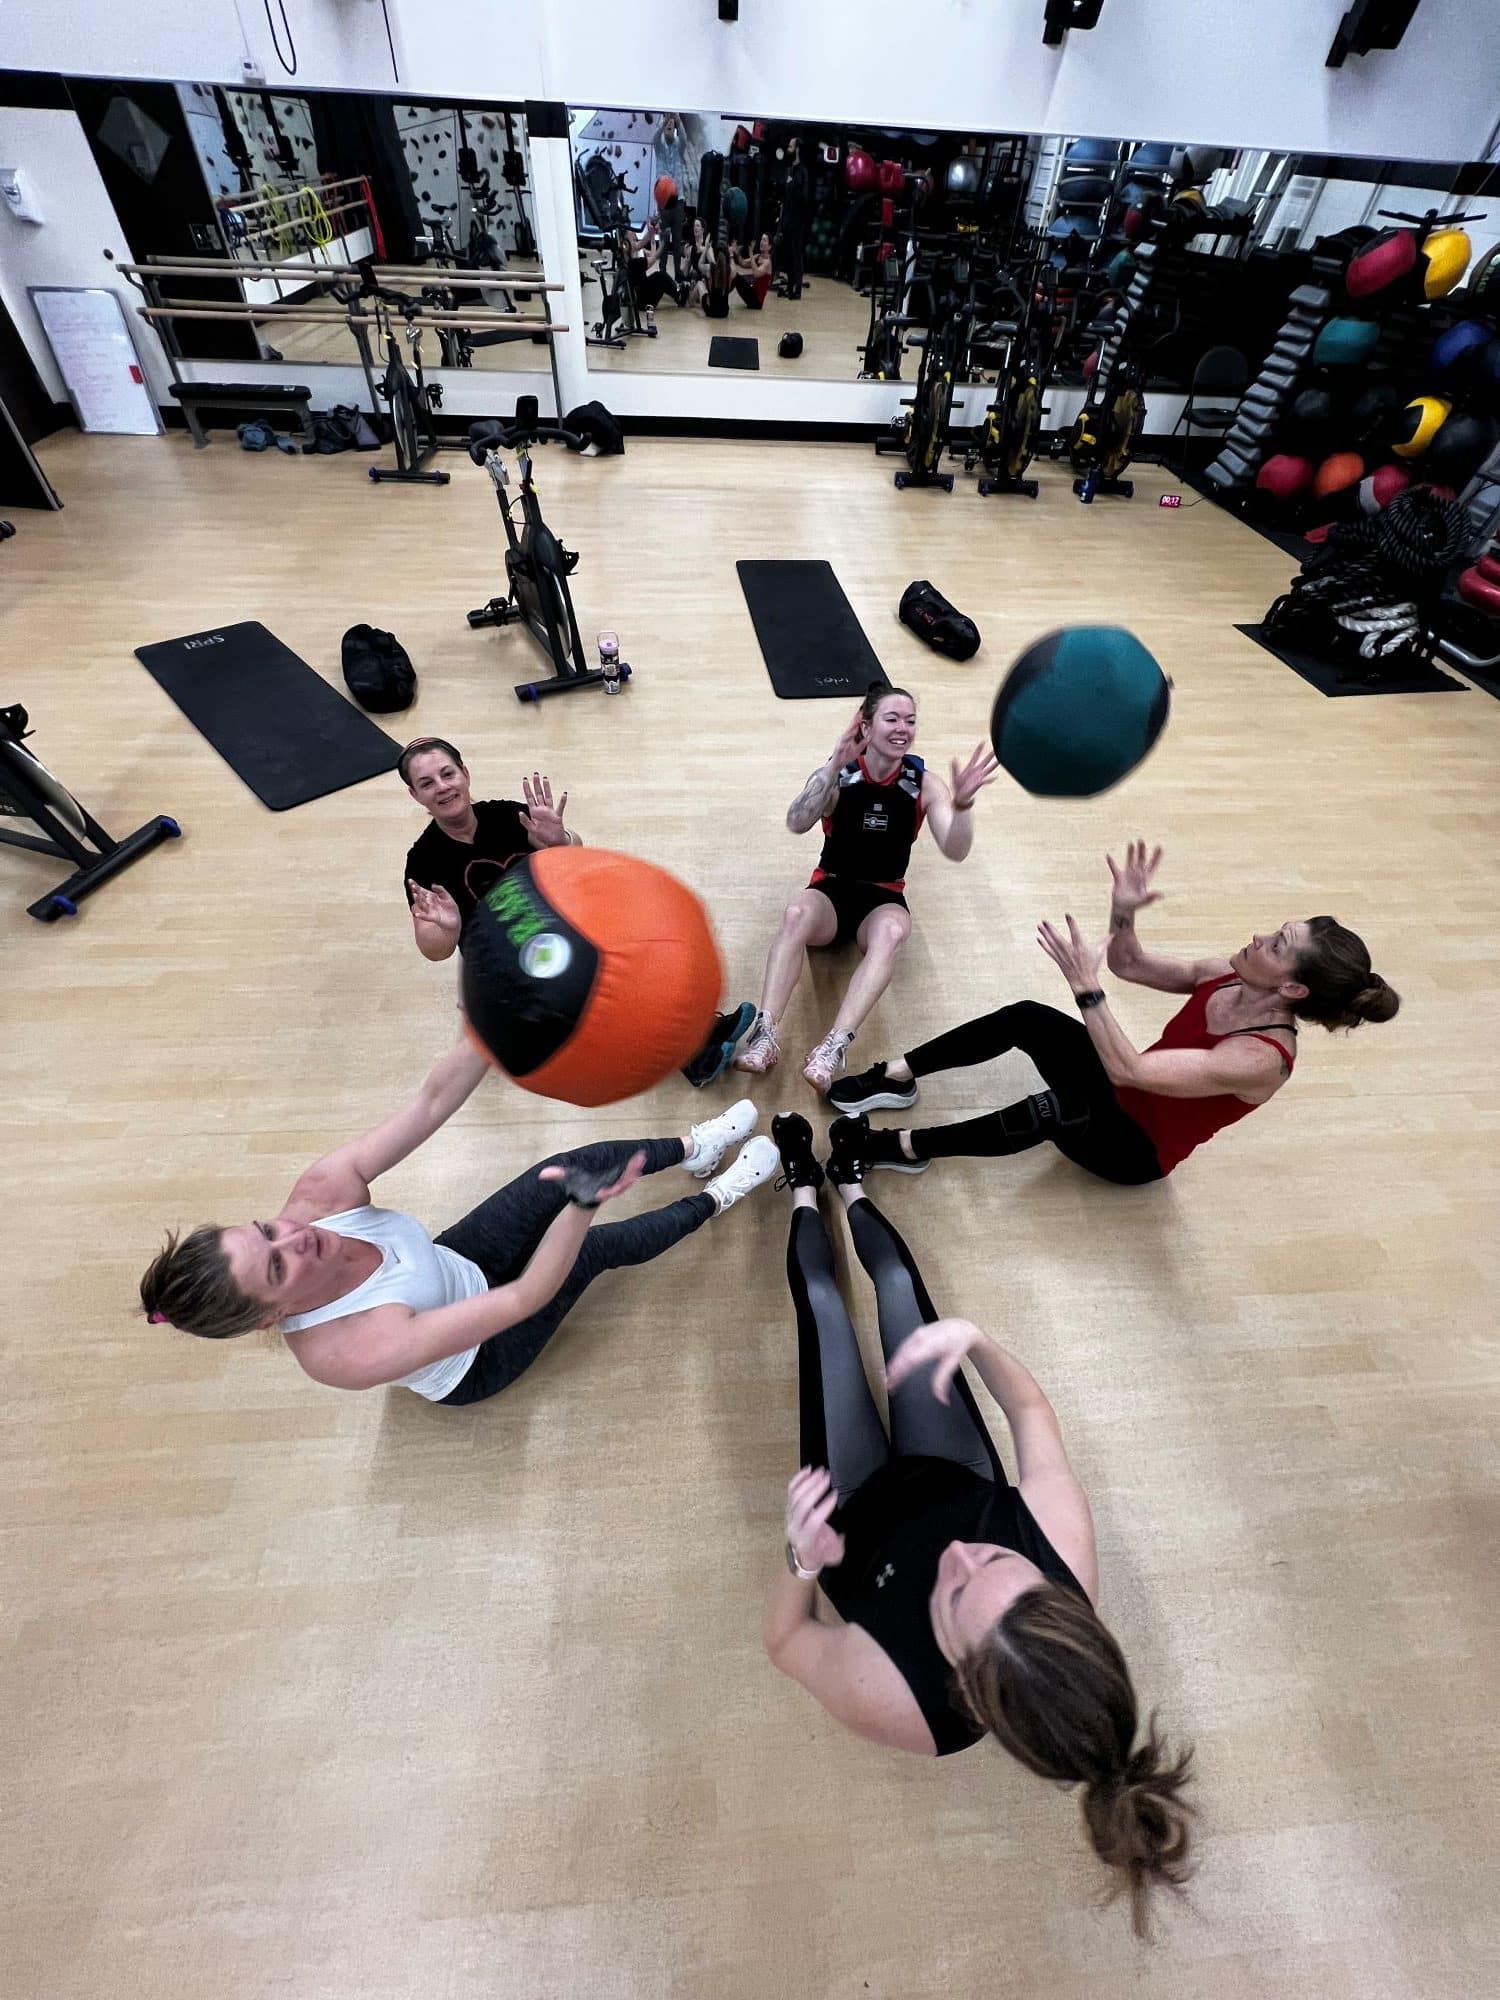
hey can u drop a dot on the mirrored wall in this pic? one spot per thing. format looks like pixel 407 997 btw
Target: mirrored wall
pixel 294 189
pixel 706 239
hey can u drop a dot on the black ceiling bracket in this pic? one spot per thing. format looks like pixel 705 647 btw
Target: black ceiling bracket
pixel 1370 24
pixel 1064 14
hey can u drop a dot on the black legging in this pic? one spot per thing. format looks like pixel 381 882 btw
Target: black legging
pixel 840 1423
pixel 648 288
pixel 1086 1123
pixel 502 1234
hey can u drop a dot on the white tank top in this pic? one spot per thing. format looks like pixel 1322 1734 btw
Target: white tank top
pixel 413 1271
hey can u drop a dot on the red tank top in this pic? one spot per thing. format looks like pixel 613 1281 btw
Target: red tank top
pixel 1176 1125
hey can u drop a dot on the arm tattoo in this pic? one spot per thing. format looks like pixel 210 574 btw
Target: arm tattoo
pixel 1122 920
pixel 814 799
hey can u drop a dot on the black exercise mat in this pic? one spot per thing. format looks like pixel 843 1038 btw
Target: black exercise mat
pixel 725 351
pixel 1325 677
pixel 1298 547
pixel 276 723
pixel 814 646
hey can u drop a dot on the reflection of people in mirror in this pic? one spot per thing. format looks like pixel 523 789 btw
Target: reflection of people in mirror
pixel 752 271
pixel 792 230
pixel 644 273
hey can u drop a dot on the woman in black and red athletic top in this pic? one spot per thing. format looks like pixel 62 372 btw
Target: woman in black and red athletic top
pixel 1131 1115
pixel 871 798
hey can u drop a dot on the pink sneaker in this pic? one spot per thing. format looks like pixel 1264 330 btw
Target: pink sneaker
pixel 760 1051
pixel 827 1061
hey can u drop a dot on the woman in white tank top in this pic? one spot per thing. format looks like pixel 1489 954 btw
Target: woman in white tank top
pixel 366 1296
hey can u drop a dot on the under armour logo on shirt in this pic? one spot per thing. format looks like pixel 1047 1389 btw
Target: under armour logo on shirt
pixel 885 1576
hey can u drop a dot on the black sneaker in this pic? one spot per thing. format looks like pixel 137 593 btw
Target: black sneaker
pixel 847 1139
pixel 724 1037
pixel 794 1141
pixel 872 1090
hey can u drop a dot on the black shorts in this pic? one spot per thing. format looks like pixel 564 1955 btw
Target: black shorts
pixel 853 901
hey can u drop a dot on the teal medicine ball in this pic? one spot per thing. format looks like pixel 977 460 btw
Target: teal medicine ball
pixel 1344 343
pixel 1078 711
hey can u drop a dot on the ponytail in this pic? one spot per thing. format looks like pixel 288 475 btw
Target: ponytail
pixel 1052 1687
pixel 1342 989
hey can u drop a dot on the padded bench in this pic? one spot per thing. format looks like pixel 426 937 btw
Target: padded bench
pixel 196 396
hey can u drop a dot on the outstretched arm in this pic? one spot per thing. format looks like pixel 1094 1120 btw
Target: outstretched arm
pixel 1244 1068
pixel 1128 958
pixel 367 1349
pixel 1049 1486
pixel 950 809
pixel 341 1179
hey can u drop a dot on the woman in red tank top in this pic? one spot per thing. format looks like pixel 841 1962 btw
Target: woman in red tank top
pixel 1131 1115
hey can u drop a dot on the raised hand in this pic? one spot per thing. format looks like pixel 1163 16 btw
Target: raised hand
pixel 967 781
pixel 542 819
pixel 810 1499
pixel 851 742
pixel 1132 888
pixel 436 907
pixel 940 1345
pixel 1073 955
pixel 587 1188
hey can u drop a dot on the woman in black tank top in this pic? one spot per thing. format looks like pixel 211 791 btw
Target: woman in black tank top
pixel 871 798
pixel 967 1602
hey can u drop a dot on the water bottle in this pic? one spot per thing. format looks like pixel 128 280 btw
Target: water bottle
pixel 609 661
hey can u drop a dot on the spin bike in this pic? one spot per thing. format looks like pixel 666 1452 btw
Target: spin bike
pixel 28 791
pixel 922 436
pixel 412 398
pixel 1006 440
pixel 537 566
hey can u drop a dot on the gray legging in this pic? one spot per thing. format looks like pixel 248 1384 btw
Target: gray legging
pixel 501 1235
pixel 841 1427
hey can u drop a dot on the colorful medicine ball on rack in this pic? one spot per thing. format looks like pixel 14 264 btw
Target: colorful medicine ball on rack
pixel 1461 446
pixel 1419 423
pixel 589 976
pixel 1344 343
pixel 1284 476
pixel 1444 259
pixel 1340 470
pixel 1459 346
pixel 1380 263
pixel 1379 488
pixel 1078 711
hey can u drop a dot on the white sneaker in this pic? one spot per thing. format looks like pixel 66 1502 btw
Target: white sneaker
pixel 755 1164
pixel 760 1051
pixel 709 1141
pixel 827 1060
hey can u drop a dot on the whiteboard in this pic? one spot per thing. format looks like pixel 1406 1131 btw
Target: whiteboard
pixel 97 357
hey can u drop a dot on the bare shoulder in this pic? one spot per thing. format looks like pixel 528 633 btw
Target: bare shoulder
pixel 858 1683
pixel 359 1351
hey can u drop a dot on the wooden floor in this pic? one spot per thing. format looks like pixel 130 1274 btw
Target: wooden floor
pixel 318 1695
pixel 831 316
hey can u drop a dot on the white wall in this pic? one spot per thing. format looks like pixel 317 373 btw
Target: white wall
pixel 68 247
pixel 1239 72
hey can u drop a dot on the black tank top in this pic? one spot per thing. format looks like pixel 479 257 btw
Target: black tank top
pixel 869 834
pixel 895 1528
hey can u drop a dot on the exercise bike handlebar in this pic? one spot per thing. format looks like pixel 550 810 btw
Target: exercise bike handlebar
pixel 494 436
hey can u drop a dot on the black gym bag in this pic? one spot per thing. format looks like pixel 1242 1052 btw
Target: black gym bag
pixel 377 670
pixel 933 618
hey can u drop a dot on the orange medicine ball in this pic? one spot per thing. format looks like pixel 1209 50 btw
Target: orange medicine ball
pixel 589 976
pixel 1338 470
